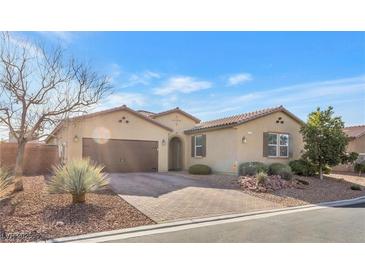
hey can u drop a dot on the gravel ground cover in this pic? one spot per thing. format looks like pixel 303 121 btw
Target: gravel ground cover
pixel 330 189
pixel 334 187
pixel 349 176
pixel 35 215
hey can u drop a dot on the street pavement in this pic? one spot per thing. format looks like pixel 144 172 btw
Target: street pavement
pixel 331 224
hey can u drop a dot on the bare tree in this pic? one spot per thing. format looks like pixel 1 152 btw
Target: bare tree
pixel 39 87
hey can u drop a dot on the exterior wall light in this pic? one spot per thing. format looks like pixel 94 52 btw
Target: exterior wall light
pixel 76 138
pixel 163 142
pixel 244 140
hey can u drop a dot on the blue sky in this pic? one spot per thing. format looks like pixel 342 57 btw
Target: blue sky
pixel 217 74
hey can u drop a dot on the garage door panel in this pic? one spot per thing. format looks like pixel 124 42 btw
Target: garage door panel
pixel 123 155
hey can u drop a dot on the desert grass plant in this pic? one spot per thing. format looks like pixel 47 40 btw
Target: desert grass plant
pixel 261 177
pixel 252 168
pixel 77 178
pixel 6 180
pixel 283 170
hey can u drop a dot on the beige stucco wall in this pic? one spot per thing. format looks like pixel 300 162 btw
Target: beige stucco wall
pixel 225 150
pixel 108 126
pixel 221 150
pixel 178 123
pixel 357 145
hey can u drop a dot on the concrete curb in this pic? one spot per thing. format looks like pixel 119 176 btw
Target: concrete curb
pixel 194 223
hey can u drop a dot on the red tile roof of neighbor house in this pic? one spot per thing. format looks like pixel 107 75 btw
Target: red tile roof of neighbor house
pixel 239 119
pixel 355 131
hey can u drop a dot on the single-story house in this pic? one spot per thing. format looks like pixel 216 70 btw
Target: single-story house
pixel 125 140
pixel 356 144
pixel 357 139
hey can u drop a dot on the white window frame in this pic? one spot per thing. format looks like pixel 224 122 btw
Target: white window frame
pixel 195 145
pixel 278 145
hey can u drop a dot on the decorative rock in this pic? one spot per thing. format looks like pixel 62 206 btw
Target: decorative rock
pixel 272 183
pixel 59 223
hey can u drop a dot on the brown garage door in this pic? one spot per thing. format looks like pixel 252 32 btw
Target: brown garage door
pixel 122 155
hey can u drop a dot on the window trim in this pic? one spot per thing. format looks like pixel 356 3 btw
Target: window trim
pixel 278 145
pixel 195 146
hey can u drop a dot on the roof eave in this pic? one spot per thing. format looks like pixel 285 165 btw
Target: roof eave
pixel 189 131
pixel 86 116
pixel 245 121
pixel 195 119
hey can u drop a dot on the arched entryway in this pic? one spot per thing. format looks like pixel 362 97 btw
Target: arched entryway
pixel 175 154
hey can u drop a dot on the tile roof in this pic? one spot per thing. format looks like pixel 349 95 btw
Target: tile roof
pixel 177 109
pixel 239 119
pixel 355 131
pixel 146 112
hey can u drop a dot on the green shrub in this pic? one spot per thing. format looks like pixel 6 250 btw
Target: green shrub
pixel 6 179
pixel 355 187
pixel 302 167
pixel 200 169
pixel 252 168
pixel 77 178
pixel 281 169
pixel 261 177
pixel 326 170
pixel 360 167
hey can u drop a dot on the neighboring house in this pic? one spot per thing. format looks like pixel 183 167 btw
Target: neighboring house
pixel 356 144
pixel 357 139
pixel 125 140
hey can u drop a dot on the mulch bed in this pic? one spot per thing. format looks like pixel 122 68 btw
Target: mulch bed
pixel 330 189
pixel 35 215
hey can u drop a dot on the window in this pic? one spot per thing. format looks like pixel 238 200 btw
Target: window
pixel 278 145
pixel 198 146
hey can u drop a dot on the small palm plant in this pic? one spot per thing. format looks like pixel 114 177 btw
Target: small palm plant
pixel 77 178
pixel 6 179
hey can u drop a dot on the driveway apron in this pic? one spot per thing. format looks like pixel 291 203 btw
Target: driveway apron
pixel 166 197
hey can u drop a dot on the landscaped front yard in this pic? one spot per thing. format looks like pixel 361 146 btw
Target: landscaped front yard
pixel 35 215
pixel 333 187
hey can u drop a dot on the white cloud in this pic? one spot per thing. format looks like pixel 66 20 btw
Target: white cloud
pixel 20 42
pixel 118 99
pixel 295 97
pixel 238 79
pixel 183 84
pixel 65 37
pixel 143 78
pixel 123 79
pixel 4 133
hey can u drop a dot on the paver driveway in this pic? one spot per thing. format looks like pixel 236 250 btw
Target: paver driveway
pixel 166 197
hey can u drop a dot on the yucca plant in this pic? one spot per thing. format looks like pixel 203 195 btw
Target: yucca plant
pixel 77 178
pixel 6 179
